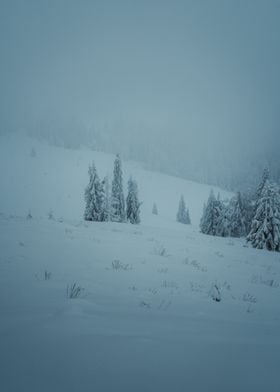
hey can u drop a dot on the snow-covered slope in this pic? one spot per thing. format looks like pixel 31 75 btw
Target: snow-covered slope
pixel 146 319
pixel 55 179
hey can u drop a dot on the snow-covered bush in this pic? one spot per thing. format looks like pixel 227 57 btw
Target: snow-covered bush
pixel 73 291
pixel 247 297
pixel 160 250
pixel 215 293
pixel 118 265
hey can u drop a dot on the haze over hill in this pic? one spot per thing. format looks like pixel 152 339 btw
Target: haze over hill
pixel 55 179
pixel 191 88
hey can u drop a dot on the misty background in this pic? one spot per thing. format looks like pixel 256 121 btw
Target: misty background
pixel 190 88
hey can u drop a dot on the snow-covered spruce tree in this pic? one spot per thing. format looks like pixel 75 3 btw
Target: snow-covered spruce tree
pixel 264 179
pixel 155 210
pixel 182 213
pixel 237 216
pixel 248 210
pixel 211 215
pixel 132 202
pixel 223 220
pixel 94 197
pixel 265 229
pixel 231 222
pixel 106 200
pixel 117 195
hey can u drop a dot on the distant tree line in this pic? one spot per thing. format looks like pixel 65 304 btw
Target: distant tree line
pixel 151 146
pixel 255 215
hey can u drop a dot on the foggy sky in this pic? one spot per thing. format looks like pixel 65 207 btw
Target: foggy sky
pixel 205 69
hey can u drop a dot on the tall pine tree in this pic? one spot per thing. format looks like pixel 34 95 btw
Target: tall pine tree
pixel 223 220
pixel 107 200
pixel 237 216
pixel 117 195
pixel 183 215
pixel 132 203
pixel 264 179
pixel 248 210
pixel 154 209
pixel 211 215
pixel 265 229
pixel 93 197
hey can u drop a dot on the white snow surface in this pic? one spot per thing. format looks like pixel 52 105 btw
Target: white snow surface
pixel 145 319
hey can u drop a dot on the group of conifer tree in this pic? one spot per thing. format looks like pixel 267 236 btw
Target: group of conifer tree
pixel 254 216
pixel 105 203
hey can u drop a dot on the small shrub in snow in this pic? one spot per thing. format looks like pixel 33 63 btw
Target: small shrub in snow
pixel 271 283
pixel 215 293
pixel 169 284
pixel 160 250
pixel 268 282
pixel 247 297
pixel 118 265
pixel 73 291
pixel 50 215
pixel 195 264
pixel 47 275
pixel 144 304
pixel 250 308
pixel 29 215
pixel 153 291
